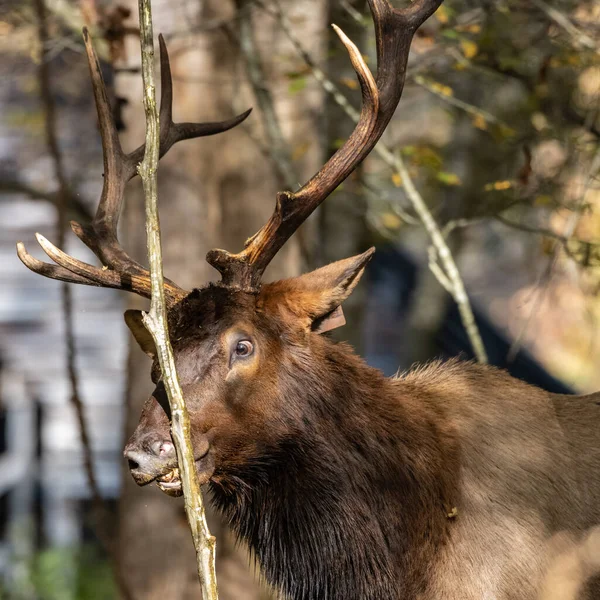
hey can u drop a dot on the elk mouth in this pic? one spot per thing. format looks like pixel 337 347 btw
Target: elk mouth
pixel 170 483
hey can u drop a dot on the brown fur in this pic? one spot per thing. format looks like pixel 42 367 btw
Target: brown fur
pixel 447 482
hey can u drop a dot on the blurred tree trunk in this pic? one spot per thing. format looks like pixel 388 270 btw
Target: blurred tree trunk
pixel 213 192
pixel 342 224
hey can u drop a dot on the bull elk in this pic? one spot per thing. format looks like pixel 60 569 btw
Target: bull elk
pixel 443 483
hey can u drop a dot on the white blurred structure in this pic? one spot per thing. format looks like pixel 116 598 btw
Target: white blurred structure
pixel 41 473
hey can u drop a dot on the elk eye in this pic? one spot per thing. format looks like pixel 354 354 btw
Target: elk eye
pixel 244 348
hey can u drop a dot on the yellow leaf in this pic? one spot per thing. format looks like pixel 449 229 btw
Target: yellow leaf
pixel 506 131
pixel 498 186
pixel 469 48
pixel 502 185
pixel 441 14
pixel 300 150
pixel 448 178
pixel 349 82
pixel 442 89
pixel 480 122
pixel 390 220
pixel 473 28
pixel 426 156
pixel 397 180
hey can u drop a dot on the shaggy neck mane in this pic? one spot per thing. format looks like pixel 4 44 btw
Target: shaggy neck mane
pixel 355 499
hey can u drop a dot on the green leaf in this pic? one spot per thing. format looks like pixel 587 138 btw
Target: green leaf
pixel 448 178
pixel 297 85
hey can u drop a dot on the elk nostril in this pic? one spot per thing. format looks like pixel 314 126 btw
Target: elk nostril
pixel 165 449
pixel 133 465
pixel 162 449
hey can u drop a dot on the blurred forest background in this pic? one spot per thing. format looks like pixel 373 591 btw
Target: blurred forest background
pixel 487 181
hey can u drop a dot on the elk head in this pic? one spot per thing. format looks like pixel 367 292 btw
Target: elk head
pixel 235 351
pixel 240 346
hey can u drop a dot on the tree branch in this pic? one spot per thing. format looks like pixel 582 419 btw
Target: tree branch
pixel 75 208
pixel 278 147
pixel 564 239
pixel 579 37
pixel 156 322
pixel 468 108
pixel 452 281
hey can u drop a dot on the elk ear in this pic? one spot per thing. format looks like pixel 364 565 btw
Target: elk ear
pixel 313 297
pixel 142 336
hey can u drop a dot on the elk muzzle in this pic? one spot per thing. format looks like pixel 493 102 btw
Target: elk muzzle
pixel 149 459
pixel 156 460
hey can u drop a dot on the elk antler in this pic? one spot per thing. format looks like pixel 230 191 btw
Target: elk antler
pixel 394 30
pixel 120 271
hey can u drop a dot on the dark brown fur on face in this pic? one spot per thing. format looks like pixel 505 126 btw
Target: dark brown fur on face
pixel 445 483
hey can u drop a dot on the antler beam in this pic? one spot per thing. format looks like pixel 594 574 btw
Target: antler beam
pixel 394 30
pixel 120 271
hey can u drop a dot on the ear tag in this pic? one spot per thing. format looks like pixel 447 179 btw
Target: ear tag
pixel 333 320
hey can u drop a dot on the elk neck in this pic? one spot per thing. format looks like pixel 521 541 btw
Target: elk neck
pixel 355 500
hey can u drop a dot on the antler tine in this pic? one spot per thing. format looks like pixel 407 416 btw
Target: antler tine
pixel 171 132
pixel 120 270
pixel 48 270
pixel 101 235
pixel 105 277
pixel 119 168
pixel 394 29
pixel 71 270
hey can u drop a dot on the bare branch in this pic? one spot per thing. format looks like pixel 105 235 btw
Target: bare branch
pixel 75 207
pixel 564 239
pixel 453 278
pixel 468 108
pixel 156 321
pixel 580 38
pixel 450 226
pixel 278 147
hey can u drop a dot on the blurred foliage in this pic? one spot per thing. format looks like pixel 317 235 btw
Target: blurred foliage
pixel 505 151
pixel 527 88
pixel 62 574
